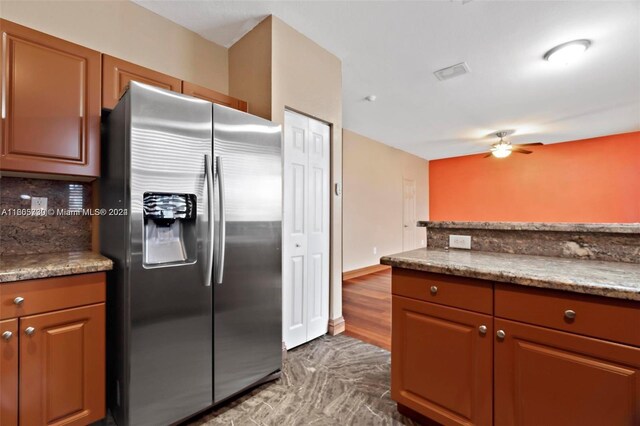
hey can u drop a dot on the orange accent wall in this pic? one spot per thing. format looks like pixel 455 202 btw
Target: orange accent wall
pixel 590 180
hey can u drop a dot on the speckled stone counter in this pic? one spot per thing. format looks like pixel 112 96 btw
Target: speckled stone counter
pixel 613 228
pixel 31 266
pixel 610 279
pixel 616 242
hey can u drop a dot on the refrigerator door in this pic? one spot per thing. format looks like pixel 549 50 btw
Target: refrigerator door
pixel 170 300
pixel 247 251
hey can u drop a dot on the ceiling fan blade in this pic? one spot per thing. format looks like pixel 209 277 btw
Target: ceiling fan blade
pixel 521 151
pixel 528 144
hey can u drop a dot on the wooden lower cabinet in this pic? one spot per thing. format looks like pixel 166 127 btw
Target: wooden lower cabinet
pixel 442 363
pixel 548 377
pixel 9 372
pixel 535 365
pixel 62 367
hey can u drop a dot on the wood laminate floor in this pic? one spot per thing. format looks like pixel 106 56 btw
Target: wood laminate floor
pixel 366 307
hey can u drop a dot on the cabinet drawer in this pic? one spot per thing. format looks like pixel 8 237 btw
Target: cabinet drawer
pixel 464 293
pixel 609 319
pixel 50 294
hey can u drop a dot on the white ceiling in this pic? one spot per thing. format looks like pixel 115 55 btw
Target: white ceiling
pixel 391 49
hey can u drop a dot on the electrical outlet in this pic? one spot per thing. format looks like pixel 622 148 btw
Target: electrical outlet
pixel 375 250
pixel 460 241
pixel 39 204
pixel 422 243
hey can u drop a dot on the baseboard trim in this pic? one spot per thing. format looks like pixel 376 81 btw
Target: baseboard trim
pixel 363 271
pixel 336 326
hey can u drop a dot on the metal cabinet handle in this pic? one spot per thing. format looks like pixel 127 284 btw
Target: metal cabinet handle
pixel 18 300
pixel 29 331
pixel 434 289
pixel 569 314
pixel 7 335
pixel 482 329
pixel 501 334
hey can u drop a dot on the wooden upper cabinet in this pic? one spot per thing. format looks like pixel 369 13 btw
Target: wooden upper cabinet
pixel 62 367
pixel 552 378
pixel 213 96
pixel 441 364
pixel 51 96
pixel 116 75
pixel 9 373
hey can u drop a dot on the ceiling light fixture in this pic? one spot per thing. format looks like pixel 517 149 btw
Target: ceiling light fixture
pixel 567 52
pixel 501 150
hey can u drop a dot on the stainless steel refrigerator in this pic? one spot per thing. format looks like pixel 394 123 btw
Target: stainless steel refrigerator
pixel 193 199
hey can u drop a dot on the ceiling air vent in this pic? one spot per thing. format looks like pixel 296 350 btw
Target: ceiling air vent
pixel 452 71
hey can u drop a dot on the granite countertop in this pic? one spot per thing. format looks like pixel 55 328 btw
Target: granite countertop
pixel 31 266
pixel 614 228
pixel 610 279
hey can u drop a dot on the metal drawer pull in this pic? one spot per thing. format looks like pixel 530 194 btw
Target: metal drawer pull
pixel 18 300
pixel 482 329
pixel 501 334
pixel 7 335
pixel 434 289
pixel 569 314
pixel 29 331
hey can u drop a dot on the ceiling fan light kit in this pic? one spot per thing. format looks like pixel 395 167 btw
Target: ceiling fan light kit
pixel 503 149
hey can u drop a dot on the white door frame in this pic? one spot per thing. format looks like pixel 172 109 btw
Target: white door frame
pixel 411 226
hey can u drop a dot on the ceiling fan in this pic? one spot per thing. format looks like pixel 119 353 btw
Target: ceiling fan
pixel 502 148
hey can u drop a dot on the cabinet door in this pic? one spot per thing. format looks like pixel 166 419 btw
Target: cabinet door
pixel 442 362
pixel 62 367
pixel 213 96
pixel 51 94
pixel 547 377
pixel 116 75
pixel 9 372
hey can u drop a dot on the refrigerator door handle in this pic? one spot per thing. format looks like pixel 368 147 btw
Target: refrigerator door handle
pixel 208 173
pixel 223 222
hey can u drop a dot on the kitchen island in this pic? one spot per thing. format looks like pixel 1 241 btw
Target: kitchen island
pixel 491 338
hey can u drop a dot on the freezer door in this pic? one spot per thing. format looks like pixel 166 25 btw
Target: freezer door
pixel 171 344
pixel 247 250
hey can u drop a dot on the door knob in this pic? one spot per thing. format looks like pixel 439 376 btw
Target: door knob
pixel 7 335
pixel 18 300
pixel 501 334
pixel 29 331
pixel 569 314
pixel 482 329
pixel 434 289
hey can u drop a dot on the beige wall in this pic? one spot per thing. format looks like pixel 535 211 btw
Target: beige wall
pixel 127 31
pixel 306 78
pixel 250 69
pixel 373 198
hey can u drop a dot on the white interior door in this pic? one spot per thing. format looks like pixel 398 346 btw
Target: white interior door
pixel 408 214
pixel 306 229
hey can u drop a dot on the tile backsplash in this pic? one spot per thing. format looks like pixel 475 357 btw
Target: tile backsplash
pixel 25 234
